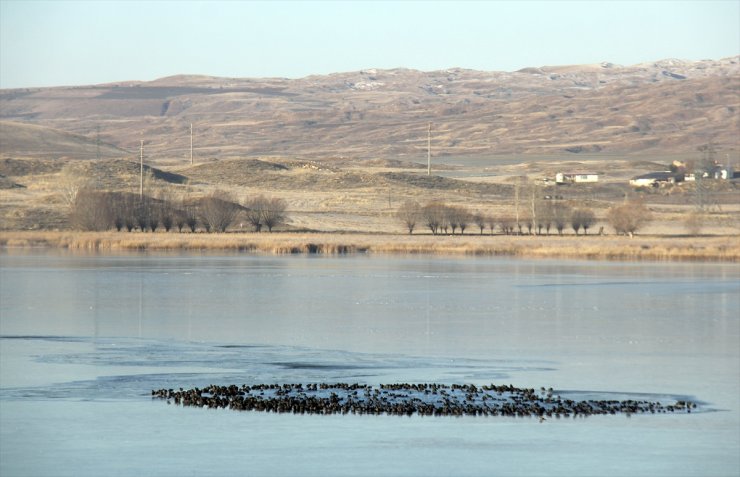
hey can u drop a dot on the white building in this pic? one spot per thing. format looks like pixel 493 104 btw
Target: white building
pixel 653 179
pixel 577 178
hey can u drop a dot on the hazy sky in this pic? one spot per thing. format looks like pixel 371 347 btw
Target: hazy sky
pixel 46 43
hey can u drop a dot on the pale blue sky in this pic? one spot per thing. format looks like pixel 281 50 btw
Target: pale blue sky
pixel 49 43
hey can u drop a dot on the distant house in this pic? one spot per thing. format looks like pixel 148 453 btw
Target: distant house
pixel 719 172
pixel 654 179
pixel 575 177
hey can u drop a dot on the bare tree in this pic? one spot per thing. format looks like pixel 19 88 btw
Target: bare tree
pixel 491 220
pixel 480 220
pixel 627 218
pixel 535 207
pixel 543 216
pixel 191 217
pixel 122 209
pixel 141 213
pixel 575 221
pixel 253 212
pixel 517 194
pixel 118 211
pixel 129 208
pixel 179 218
pixel 585 217
pixel 165 210
pixel 433 216
pixel 444 224
pixel 452 217
pixel 506 224
pixel 153 214
pixel 463 219
pixel 91 210
pixel 547 216
pixel 560 215
pixel 218 210
pixel 409 214
pixel 71 183
pixel 273 213
pixel 167 219
pixel 526 220
pixel 179 214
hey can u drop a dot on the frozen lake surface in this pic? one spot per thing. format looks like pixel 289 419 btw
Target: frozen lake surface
pixel 86 338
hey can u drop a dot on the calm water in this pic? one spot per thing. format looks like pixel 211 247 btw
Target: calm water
pixel 85 338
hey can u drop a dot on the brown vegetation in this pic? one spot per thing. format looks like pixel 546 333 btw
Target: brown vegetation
pixel 384 113
pixel 627 218
pixel 266 212
pixel 582 218
pixel 218 210
pixel 726 249
pixel 507 194
pixel 409 214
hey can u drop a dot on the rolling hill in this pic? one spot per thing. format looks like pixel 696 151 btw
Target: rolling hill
pixel 29 139
pixel 668 106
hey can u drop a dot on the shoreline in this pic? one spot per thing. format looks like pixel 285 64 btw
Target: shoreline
pixel 591 247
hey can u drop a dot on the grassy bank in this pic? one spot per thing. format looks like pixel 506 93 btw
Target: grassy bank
pixel 724 248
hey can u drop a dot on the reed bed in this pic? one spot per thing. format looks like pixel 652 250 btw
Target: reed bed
pixel 705 248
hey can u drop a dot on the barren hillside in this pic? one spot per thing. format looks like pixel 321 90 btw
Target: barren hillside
pixel 32 140
pixel 664 107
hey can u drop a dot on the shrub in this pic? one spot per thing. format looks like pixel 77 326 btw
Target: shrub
pixel 627 218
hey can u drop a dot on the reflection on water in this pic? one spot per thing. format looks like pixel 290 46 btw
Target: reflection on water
pixel 96 328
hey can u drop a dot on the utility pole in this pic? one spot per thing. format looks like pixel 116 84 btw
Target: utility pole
pixel 429 150
pixel 141 170
pixel 516 203
pixel 728 169
pixel 191 144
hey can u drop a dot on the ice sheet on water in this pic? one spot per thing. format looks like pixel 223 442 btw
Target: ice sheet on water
pixel 130 368
pixel 127 369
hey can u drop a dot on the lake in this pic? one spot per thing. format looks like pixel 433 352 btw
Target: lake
pixel 84 338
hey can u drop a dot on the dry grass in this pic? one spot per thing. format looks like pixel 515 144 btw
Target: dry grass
pixel 353 115
pixel 360 199
pixel 724 248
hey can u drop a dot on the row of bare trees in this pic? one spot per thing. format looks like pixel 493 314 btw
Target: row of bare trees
pixel 545 217
pixel 103 210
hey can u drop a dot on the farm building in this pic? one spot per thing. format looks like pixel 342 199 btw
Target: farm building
pixel 577 178
pixel 653 179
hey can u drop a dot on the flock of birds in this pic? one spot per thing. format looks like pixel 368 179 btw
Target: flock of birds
pixel 408 399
